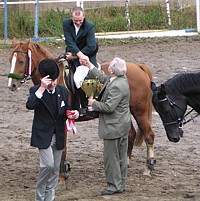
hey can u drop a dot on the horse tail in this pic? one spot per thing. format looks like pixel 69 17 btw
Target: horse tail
pixel 139 137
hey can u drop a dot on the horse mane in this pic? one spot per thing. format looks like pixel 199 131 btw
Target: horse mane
pixel 34 46
pixel 185 83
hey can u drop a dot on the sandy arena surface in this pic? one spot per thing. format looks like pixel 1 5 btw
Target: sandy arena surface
pixel 177 173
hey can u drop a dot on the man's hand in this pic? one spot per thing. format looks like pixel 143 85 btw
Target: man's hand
pixel 72 114
pixel 82 56
pixel 91 101
pixel 45 82
pixel 69 56
pixel 86 63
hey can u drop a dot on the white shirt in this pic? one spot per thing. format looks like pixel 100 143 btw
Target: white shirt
pixel 76 29
pixel 112 78
pixel 39 95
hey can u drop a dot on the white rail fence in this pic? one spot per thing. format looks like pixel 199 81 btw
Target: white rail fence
pixel 81 3
pixel 37 4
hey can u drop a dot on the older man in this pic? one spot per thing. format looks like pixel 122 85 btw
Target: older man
pixel 114 122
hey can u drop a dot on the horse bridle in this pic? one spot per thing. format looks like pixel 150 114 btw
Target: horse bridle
pixel 179 121
pixel 27 75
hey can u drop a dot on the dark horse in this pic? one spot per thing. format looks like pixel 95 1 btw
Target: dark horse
pixel 171 99
pixel 139 76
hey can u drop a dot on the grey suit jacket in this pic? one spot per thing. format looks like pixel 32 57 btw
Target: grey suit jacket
pixel 113 108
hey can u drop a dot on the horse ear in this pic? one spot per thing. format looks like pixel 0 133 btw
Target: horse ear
pixel 162 93
pixel 153 86
pixel 14 41
pixel 162 87
pixel 28 42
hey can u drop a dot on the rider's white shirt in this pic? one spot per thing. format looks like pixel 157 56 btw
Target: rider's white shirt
pixel 76 29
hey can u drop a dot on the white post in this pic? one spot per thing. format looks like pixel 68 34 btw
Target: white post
pixel 127 13
pixel 168 12
pixel 197 15
pixel 79 4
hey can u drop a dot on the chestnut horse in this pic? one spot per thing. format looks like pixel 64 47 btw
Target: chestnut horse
pixel 24 60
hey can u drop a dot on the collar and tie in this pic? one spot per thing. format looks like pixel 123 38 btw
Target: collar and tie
pixel 51 91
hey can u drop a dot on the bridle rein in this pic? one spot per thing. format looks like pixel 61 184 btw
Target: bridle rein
pixel 27 76
pixel 180 121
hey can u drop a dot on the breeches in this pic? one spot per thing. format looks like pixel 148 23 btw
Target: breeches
pixel 79 75
pixel 115 162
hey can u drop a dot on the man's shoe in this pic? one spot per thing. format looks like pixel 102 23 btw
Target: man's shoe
pixel 107 192
pixel 121 191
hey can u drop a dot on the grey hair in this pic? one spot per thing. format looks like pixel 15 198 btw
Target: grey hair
pixel 118 65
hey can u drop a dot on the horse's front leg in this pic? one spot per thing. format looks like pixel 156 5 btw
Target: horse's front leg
pixel 149 140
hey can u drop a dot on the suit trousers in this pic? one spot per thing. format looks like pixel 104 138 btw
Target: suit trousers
pixel 115 163
pixel 48 172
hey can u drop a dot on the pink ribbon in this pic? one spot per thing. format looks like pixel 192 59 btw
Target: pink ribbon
pixel 70 123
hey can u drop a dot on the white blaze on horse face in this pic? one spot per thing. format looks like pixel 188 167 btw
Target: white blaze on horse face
pixel 12 68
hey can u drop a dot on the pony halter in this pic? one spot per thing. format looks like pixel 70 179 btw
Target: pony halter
pixel 173 105
pixel 28 66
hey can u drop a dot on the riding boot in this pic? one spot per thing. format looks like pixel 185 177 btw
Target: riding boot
pixel 83 101
pixel 72 66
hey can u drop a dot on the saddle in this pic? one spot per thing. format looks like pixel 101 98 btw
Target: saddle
pixel 91 86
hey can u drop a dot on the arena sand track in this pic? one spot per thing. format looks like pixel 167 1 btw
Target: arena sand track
pixel 177 173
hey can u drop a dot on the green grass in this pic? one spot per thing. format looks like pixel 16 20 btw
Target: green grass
pixel 108 19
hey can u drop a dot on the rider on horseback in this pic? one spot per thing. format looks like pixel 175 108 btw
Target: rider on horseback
pixel 81 44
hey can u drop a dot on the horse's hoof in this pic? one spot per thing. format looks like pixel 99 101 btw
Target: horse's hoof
pixel 147 172
pixel 61 187
pixel 150 163
pixel 62 182
pixel 66 176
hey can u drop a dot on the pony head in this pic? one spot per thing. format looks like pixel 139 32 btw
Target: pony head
pixel 24 61
pixel 171 109
pixel 20 64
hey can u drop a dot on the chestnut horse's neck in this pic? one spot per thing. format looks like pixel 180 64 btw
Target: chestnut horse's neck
pixel 38 53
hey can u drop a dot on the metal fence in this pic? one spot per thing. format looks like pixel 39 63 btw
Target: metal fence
pixel 37 4
pixel 89 4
